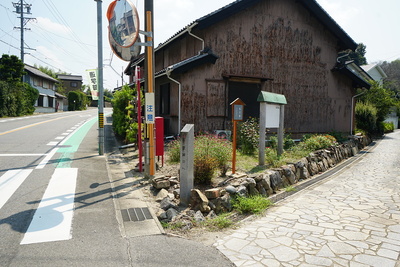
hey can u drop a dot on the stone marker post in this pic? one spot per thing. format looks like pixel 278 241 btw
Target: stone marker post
pixel 187 159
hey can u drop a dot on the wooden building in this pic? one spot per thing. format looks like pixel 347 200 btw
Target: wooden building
pixel 288 47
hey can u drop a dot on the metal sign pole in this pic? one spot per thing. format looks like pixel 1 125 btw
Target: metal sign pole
pixel 100 77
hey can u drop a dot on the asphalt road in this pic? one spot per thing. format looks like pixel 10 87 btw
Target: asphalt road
pixel 56 207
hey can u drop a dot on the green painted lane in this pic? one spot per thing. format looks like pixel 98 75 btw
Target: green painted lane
pixel 72 143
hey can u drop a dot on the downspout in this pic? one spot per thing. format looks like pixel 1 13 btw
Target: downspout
pixel 352 111
pixel 189 30
pixel 168 72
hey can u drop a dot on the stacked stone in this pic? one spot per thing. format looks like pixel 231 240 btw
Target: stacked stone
pixel 267 183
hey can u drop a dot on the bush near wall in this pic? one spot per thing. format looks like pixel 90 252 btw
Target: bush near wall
pixel 77 100
pixel 125 115
pixel 366 117
pixel 17 99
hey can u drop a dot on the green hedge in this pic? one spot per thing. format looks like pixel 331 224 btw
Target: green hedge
pixel 366 117
pixel 17 99
pixel 77 100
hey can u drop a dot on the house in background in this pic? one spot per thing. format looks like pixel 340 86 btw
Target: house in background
pixel 288 47
pixel 375 71
pixel 46 86
pixel 70 82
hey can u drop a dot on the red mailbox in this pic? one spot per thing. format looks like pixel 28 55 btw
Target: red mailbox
pixel 160 137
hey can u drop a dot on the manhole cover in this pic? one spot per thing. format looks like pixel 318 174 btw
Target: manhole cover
pixel 136 214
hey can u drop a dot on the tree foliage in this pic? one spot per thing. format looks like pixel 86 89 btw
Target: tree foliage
pixel 16 98
pixel 358 56
pixel 392 70
pixel 124 114
pixel 77 100
pixel 11 69
pixel 383 100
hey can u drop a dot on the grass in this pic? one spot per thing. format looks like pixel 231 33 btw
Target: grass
pixel 290 189
pixel 251 205
pixel 220 222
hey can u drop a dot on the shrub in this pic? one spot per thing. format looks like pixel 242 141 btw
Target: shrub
pixel 210 154
pixel 124 114
pixel 253 204
pixel 388 127
pixel 77 100
pixel 317 142
pixel 366 117
pixel 17 99
pixel 248 136
pixel 287 142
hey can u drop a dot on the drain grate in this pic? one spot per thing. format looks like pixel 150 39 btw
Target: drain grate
pixel 136 214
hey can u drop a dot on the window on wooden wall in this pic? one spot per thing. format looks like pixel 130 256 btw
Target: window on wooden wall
pixel 216 98
pixel 40 101
pixel 165 96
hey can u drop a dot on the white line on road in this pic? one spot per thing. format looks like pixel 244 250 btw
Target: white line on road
pixel 53 218
pixel 47 158
pixel 22 155
pixel 9 183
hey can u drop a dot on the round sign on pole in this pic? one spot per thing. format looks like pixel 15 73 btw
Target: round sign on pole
pixel 123 53
pixel 123 21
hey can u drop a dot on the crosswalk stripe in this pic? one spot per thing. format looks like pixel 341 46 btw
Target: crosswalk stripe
pixel 9 183
pixel 53 218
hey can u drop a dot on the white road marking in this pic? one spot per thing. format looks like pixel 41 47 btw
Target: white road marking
pixel 46 159
pixel 22 155
pixel 53 218
pixel 53 143
pixel 59 137
pixel 9 183
pixel 65 134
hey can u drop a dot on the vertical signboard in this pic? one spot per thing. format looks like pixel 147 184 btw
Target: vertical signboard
pixel 92 78
pixel 149 111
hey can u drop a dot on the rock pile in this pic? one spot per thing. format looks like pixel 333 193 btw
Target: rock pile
pixel 267 183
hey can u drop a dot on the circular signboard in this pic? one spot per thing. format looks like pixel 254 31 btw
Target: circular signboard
pixel 123 21
pixel 124 53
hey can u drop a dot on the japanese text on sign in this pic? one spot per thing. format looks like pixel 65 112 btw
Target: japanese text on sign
pixel 149 111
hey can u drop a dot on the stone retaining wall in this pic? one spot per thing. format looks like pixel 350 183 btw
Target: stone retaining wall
pixel 268 182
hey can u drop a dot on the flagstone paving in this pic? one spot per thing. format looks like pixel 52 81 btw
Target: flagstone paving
pixel 350 219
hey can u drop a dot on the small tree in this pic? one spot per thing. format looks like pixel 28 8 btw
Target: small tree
pixel 124 114
pixel 11 68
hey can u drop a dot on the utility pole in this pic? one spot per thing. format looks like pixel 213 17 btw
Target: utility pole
pixel 19 9
pixel 149 68
pixel 100 76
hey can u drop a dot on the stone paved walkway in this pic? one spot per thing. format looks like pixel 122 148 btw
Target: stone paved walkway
pixel 351 219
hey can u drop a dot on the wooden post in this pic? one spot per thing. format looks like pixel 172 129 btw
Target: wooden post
pixel 234 147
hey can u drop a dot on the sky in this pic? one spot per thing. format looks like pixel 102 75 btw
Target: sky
pixel 64 34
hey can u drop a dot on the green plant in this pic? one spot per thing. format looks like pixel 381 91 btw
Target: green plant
pixel 220 222
pixel 248 136
pixel 77 100
pixel 388 127
pixel 366 117
pixel 210 153
pixel 125 115
pixel 174 151
pixel 317 142
pixel 253 204
pixel 290 188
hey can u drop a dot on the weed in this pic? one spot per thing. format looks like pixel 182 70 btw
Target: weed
pixel 220 222
pixel 253 204
pixel 290 189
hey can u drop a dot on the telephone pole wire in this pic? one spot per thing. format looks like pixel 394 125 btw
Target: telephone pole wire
pixel 19 9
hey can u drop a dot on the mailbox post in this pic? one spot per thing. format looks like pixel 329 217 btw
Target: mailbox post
pixel 237 115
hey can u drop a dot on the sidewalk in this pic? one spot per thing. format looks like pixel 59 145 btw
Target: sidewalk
pixel 351 219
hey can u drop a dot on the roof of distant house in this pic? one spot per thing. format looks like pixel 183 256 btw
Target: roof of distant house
pixel 69 77
pixel 39 73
